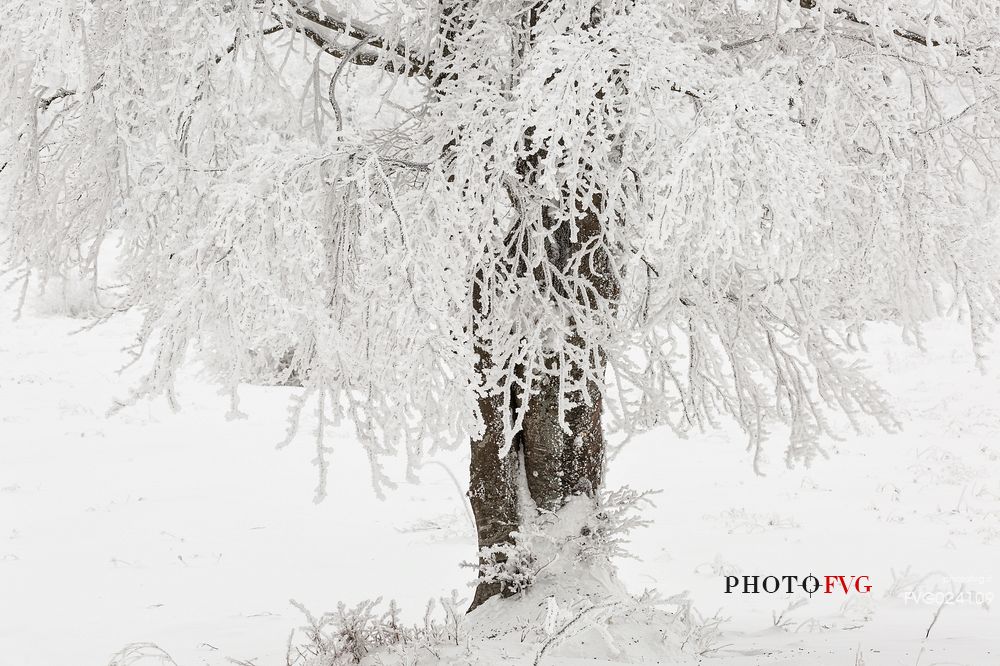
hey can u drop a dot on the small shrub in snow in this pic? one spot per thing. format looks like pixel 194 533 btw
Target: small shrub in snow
pixel 348 635
pixel 703 635
pixel 146 654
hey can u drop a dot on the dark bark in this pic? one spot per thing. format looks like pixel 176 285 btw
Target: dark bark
pixel 562 462
pixel 493 488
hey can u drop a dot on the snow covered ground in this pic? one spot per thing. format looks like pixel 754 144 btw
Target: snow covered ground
pixel 193 532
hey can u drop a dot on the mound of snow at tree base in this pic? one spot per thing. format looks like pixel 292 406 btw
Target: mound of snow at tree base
pixel 574 611
pixel 576 607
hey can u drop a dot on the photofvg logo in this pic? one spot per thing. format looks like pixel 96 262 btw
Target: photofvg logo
pixel 791 584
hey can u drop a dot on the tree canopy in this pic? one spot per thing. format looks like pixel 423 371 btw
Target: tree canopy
pixel 314 190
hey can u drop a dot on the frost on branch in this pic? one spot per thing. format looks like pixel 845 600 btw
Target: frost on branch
pixel 687 211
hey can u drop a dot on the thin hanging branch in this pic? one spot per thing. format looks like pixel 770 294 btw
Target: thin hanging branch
pixel 336 74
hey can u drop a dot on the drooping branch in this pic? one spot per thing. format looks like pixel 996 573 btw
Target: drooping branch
pixel 403 61
pixel 62 93
pixel 336 74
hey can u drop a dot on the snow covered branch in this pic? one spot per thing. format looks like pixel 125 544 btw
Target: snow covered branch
pixel 308 23
pixel 406 59
pixel 852 16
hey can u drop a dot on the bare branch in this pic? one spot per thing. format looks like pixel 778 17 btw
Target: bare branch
pixel 62 93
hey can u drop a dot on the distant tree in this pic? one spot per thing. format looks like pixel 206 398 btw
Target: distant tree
pixel 527 226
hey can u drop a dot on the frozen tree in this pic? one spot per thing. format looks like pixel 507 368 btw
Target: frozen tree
pixel 529 226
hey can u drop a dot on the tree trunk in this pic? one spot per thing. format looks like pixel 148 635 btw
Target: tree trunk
pixel 558 462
